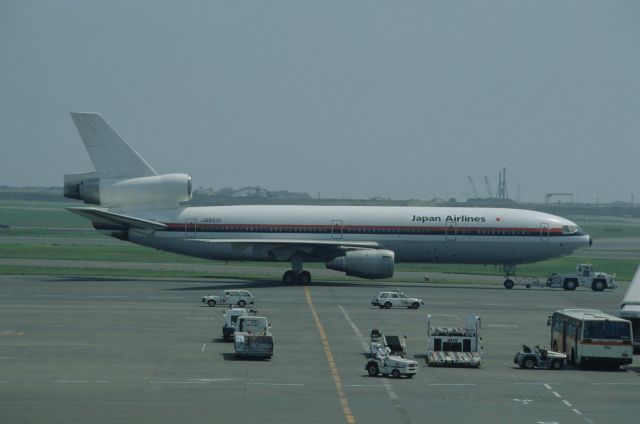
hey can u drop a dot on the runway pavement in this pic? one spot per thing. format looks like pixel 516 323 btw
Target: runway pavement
pixel 78 349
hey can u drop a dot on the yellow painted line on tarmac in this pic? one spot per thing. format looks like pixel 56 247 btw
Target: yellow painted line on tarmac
pixel 346 409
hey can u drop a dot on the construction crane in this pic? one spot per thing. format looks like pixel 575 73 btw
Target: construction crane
pixel 486 183
pixel 473 187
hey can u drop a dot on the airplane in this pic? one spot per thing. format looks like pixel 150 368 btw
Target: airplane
pixel 132 202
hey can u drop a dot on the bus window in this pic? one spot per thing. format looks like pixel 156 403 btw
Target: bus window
pixel 606 330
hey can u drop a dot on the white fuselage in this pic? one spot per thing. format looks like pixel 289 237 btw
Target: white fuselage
pixel 415 234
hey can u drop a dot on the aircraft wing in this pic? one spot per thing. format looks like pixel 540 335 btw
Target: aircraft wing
pixel 284 249
pixel 102 217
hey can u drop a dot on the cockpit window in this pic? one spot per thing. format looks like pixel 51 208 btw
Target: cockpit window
pixel 570 229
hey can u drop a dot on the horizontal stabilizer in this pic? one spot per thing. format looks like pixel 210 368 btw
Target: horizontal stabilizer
pixel 111 155
pixel 101 216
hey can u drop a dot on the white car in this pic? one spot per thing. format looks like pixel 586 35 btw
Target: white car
pixel 388 299
pixel 241 298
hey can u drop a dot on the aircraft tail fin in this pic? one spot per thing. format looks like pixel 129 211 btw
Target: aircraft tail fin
pixel 110 154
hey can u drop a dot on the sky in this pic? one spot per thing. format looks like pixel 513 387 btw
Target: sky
pixel 342 99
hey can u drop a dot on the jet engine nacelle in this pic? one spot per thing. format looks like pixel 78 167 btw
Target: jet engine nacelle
pixel 367 263
pixel 168 189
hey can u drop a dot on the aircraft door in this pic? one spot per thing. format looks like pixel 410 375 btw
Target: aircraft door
pixel 544 232
pixel 451 231
pixel 190 228
pixel 336 229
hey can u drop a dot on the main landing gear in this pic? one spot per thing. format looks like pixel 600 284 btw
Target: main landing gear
pixel 290 277
pixel 508 271
pixel 296 274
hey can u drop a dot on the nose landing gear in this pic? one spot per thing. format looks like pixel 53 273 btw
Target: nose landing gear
pixel 508 270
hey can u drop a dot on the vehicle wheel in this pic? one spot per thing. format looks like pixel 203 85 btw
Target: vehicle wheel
pixel 242 303
pixel 211 303
pixel 529 363
pixel 570 285
pixel 304 277
pixel 372 369
pixel 598 285
pixel 381 306
pixel 415 305
pixel 508 284
pixel 556 364
pixel 387 305
pixel 395 373
pixel 289 277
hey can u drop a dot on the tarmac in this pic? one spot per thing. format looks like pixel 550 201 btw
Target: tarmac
pixel 98 350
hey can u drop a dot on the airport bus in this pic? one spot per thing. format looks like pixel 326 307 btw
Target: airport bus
pixel 589 336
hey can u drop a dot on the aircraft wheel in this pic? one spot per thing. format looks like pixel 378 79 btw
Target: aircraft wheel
pixel 304 277
pixel 289 277
pixel 372 370
pixel 508 284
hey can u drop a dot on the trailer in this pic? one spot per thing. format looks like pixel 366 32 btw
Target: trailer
pixel 231 319
pixel 630 309
pixel 252 337
pixel 454 346
pixel 395 345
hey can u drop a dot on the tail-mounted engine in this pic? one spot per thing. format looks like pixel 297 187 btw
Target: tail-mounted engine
pixel 168 189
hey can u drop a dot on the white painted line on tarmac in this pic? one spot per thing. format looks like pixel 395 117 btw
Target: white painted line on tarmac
pixel 616 384
pixel 577 412
pixel 536 384
pixel 275 384
pixel 203 345
pixel 166 297
pixel 377 386
pixel 210 380
pixel 52 295
pixel 81 381
pixel 107 297
pixel 567 403
pixel 556 394
pixel 452 384
pixel 400 409
pixel 497 304
pixel 502 325
pixel 178 382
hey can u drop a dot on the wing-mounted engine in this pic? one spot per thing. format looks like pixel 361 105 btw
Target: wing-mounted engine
pixel 167 189
pixel 365 263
